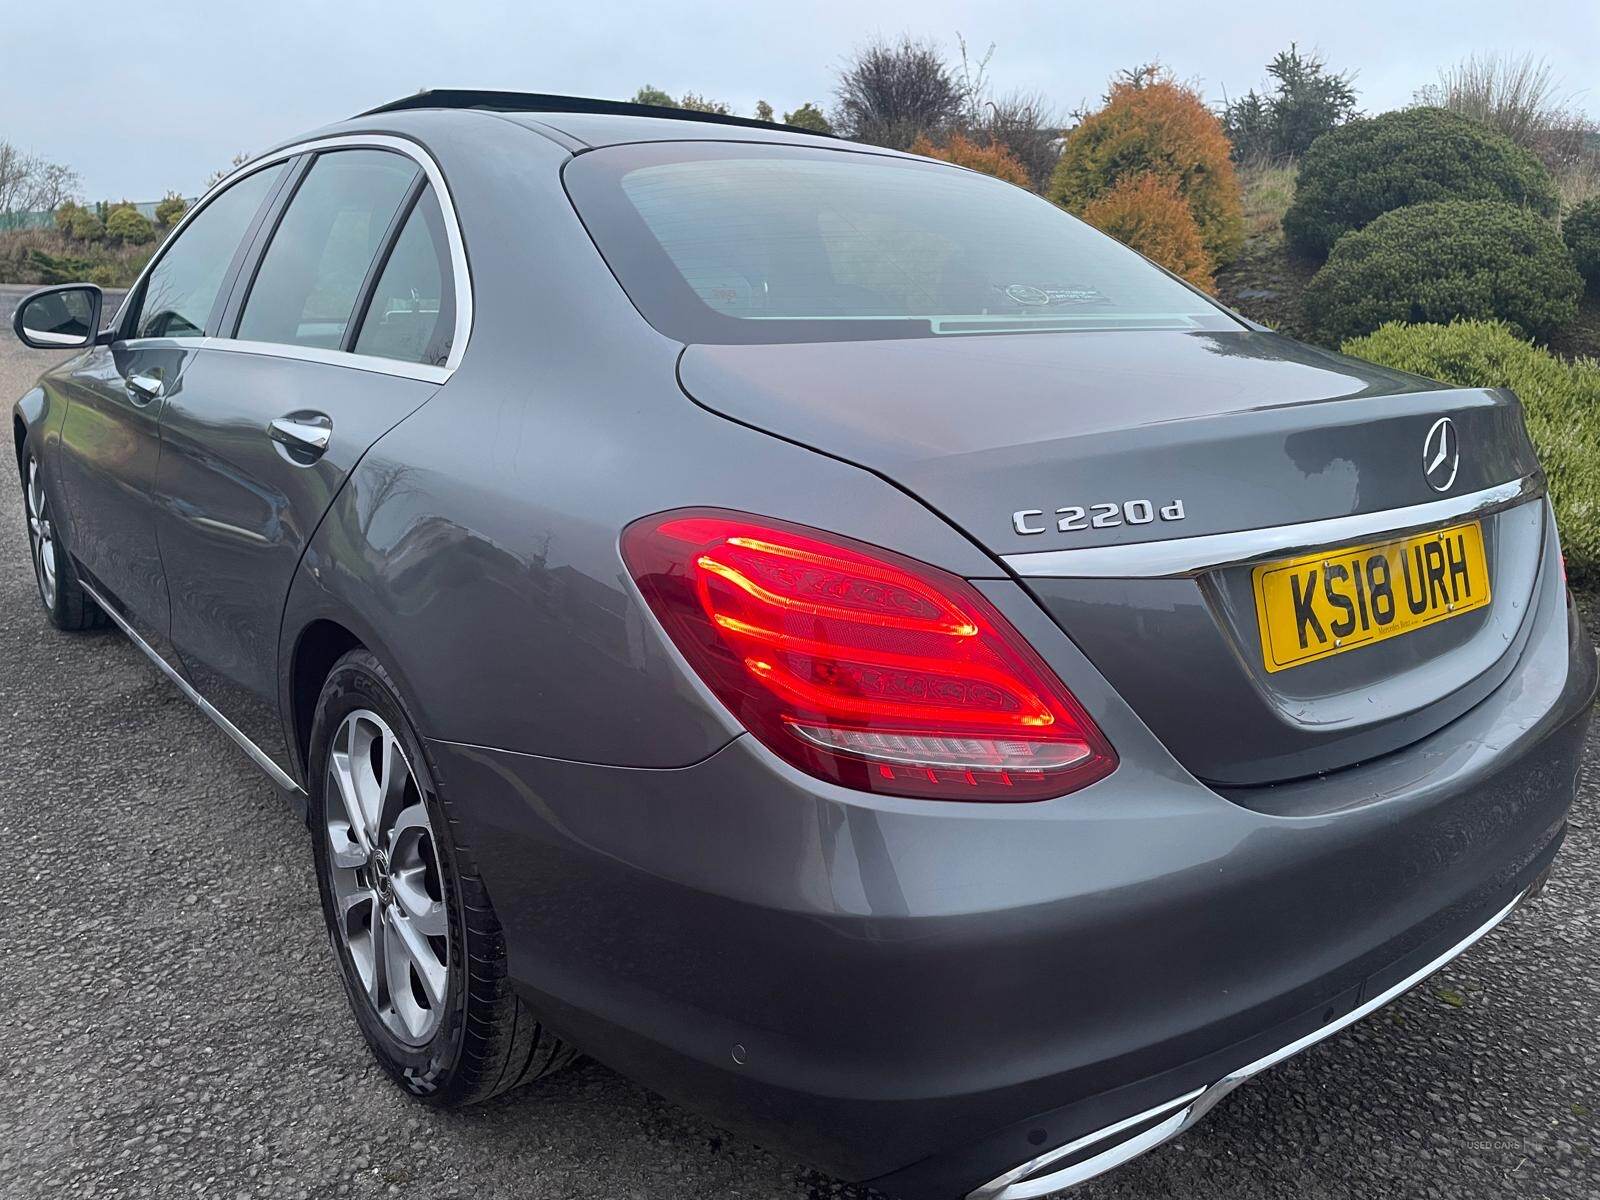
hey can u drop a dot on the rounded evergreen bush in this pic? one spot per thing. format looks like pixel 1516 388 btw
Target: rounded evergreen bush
pixel 170 210
pixel 81 224
pixel 1473 259
pixel 1366 168
pixel 1153 125
pixel 1581 232
pixel 128 224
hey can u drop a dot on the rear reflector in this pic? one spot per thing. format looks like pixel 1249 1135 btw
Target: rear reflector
pixel 860 666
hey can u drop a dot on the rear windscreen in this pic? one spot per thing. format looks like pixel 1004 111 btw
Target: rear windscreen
pixel 720 242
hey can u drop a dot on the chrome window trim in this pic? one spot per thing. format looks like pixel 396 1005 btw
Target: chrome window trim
pixel 331 358
pixel 461 277
pixel 256 753
pixel 1178 558
pixel 1023 1182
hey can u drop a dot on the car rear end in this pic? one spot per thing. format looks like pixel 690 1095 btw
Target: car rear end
pixel 932 993
pixel 1263 710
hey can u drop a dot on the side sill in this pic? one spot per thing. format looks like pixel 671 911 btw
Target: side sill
pixel 292 790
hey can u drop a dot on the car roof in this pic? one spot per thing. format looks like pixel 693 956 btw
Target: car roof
pixel 591 130
pixel 593 122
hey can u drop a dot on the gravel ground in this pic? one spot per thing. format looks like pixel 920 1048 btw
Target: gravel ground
pixel 172 1024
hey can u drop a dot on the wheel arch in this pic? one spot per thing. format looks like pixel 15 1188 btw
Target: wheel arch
pixel 319 628
pixel 26 414
pixel 319 645
pixel 20 431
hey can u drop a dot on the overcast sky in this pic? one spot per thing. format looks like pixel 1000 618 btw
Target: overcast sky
pixel 172 90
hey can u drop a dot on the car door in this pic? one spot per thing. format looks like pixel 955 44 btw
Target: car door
pixel 110 443
pixel 340 327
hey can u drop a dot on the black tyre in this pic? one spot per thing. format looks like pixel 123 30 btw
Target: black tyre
pixel 420 951
pixel 60 592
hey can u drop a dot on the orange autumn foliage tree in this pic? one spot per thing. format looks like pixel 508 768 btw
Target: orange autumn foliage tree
pixel 1149 213
pixel 993 159
pixel 1152 124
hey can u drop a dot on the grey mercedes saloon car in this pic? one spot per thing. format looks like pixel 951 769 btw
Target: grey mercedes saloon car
pixel 820 630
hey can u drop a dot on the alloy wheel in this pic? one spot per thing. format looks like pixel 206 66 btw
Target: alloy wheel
pixel 384 864
pixel 41 536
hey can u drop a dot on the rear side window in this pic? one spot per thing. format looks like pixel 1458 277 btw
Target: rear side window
pixel 181 289
pixel 411 316
pixel 306 287
pixel 722 242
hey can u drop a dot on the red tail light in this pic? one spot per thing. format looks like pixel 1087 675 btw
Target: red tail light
pixel 860 666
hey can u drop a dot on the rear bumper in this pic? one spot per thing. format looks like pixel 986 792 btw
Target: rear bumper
pixel 1105 1149
pixel 932 995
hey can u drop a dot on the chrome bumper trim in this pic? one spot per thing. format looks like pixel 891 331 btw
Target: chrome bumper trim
pixel 256 753
pixel 1019 1183
pixel 1181 557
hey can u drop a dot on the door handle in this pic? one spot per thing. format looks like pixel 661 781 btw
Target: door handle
pixel 144 388
pixel 305 434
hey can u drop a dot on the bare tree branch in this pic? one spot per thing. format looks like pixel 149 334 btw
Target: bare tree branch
pixel 888 93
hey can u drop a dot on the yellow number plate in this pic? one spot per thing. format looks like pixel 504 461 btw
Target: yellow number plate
pixel 1325 604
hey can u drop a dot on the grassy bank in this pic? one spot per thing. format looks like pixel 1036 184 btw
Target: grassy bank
pixel 44 256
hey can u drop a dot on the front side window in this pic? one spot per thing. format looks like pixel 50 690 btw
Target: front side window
pixel 411 315
pixel 310 277
pixel 721 242
pixel 182 287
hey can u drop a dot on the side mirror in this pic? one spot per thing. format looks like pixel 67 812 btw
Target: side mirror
pixel 60 318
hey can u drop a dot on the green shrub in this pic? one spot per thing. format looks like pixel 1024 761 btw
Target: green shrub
pixel 1305 102
pixel 83 225
pixel 1561 400
pixel 1580 229
pixel 128 224
pixel 1470 259
pixel 62 268
pixel 808 116
pixel 64 214
pixel 170 210
pixel 695 102
pixel 654 95
pixel 1369 167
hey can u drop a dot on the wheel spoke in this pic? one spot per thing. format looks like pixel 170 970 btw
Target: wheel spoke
pixel 352 896
pixel 365 783
pixel 411 852
pixel 361 924
pixel 425 914
pixel 420 956
pixel 398 1005
pixel 410 820
pixel 341 772
pixel 392 781
pixel 35 492
pixel 347 852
